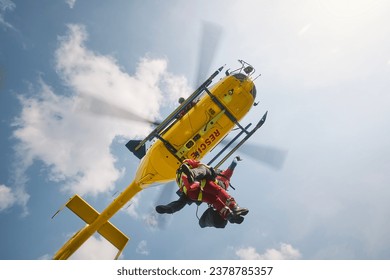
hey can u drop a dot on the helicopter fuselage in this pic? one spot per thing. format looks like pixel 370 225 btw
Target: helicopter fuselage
pixel 199 130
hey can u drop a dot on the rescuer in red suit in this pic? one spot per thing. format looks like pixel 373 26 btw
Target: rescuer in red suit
pixel 211 218
pixel 200 183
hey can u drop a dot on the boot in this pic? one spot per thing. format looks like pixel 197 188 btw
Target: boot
pixel 234 218
pixel 238 211
pixel 164 209
pixel 173 206
pixel 225 213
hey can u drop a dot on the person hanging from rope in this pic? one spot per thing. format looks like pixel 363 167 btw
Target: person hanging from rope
pixel 201 183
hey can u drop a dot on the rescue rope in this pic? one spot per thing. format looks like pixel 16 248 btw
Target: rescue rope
pixel 197 208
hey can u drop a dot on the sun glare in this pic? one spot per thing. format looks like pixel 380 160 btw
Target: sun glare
pixel 349 8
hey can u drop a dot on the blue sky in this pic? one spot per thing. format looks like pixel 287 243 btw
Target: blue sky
pixel 325 69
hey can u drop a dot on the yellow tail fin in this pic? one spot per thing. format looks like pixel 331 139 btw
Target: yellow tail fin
pixel 88 214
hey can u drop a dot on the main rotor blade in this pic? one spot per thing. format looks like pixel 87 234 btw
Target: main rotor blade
pixel 209 41
pixel 100 107
pixel 165 196
pixel 271 156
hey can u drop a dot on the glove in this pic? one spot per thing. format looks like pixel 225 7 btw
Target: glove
pixel 190 186
pixel 192 162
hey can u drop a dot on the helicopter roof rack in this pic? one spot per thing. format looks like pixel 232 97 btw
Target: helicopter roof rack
pixel 138 147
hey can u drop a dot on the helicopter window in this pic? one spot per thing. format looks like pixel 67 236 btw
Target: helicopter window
pixel 253 92
pixel 240 76
pixel 196 137
pixel 190 144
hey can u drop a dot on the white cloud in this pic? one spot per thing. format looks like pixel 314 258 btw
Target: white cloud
pixel 285 252
pixel 132 207
pixel 304 29
pixel 71 3
pixel 142 248
pixel 15 195
pixel 151 220
pixel 95 248
pixel 6 5
pixel 74 145
pixel 7 197
pixel 50 130
pixel 175 87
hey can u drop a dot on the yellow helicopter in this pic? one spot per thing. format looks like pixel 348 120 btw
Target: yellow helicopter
pixel 198 125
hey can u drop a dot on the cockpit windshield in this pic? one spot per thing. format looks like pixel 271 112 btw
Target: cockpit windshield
pixel 241 77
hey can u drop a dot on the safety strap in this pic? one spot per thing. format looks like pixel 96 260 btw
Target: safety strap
pixel 202 184
pixel 182 186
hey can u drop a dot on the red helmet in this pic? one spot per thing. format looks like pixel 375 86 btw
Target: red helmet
pixel 192 163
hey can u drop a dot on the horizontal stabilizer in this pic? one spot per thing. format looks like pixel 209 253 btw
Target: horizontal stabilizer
pixel 88 214
pixel 114 236
pixel 132 144
pixel 82 209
